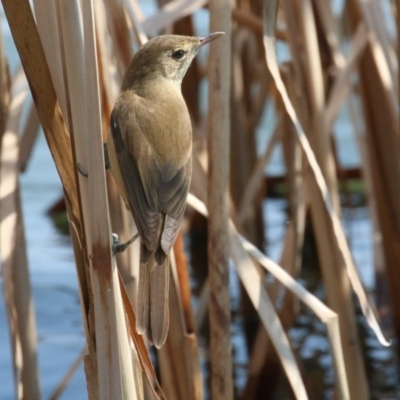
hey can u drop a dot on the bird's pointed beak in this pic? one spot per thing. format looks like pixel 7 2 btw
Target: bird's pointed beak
pixel 207 39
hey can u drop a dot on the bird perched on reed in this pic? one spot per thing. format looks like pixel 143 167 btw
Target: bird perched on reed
pixel 150 156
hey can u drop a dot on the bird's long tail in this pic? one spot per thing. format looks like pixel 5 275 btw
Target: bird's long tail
pixel 152 304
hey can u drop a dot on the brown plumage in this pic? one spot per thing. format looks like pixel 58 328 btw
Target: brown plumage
pixel 150 154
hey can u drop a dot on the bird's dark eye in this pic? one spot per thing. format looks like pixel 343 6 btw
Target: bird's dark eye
pixel 178 54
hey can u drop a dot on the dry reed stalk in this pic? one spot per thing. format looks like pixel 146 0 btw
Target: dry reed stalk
pixel 119 31
pixel 136 16
pixel 179 359
pixel 358 386
pixel 14 263
pixel 48 25
pixel 264 363
pixel 170 13
pixel 341 86
pixel 32 56
pixel 318 134
pixel 297 197
pixel 5 89
pixel 68 376
pixel 151 383
pixel 257 367
pixel 28 137
pixel 116 377
pixel 243 148
pixel 121 219
pixel 219 78
pixel 327 316
pixel 339 237
pixel 254 287
pixel 184 283
pixel 330 31
pixel 336 282
pixel 255 179
pixel 398 47
pixel 33 60
pixel 339 295
pixel 381 277
pixel 381 113
pixel 376 19
pixel 191 83
pixel 47 19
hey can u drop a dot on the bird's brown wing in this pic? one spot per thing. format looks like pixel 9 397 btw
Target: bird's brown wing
pixel 144 208
pixel 173 193
pixel 156 191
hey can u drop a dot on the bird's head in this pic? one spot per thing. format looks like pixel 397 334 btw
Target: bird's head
pixel 165 57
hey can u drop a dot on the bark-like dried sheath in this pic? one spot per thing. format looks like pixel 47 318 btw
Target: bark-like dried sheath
pixel 30 49
pixel 218 201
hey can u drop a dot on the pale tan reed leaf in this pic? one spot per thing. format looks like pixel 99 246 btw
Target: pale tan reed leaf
pixel 219 75
pixel 118 32
pixel 114 362
pixel 202 306
pixel 270 10
pixel 138 342
pixel 324 9
pixel 325 314
pixel 111 81
pixel 28 137
pixel 341 86
pixel 68 376
pixel 170 13
pixel 135 15
pixel 47 18
pixel 251 280
pixel 386 74
pixel 380 22
pixel 314 77
pixel 5 88
pixel 13 258
pixel 257 175
pixel 179 360
pixel 129 369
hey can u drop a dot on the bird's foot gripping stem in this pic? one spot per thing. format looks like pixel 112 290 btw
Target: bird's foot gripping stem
pixel 118 247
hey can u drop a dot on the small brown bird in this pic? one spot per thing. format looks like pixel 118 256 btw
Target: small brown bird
pixel 150 156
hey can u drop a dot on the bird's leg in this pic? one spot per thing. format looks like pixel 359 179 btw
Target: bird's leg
pixel 118 247
pixel 106 159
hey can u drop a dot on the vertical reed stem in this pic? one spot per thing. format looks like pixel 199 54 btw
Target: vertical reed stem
pixel 218 195
pixel 398 46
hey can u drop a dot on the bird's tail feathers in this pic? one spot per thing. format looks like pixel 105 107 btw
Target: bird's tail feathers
pixel 159 304
pixel 143 300
pixel 153 305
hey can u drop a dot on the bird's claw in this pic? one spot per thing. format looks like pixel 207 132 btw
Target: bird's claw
pixel 118 247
